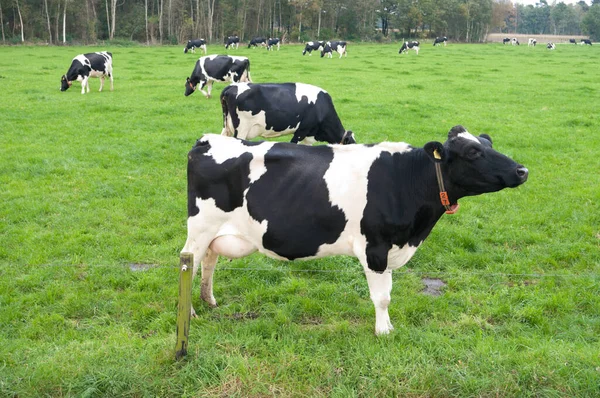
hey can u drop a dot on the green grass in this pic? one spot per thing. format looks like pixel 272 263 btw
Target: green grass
pixel 94 185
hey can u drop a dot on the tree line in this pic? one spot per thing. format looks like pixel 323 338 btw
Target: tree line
pixel 176 21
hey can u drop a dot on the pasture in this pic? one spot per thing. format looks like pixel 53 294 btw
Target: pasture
pixel 93 216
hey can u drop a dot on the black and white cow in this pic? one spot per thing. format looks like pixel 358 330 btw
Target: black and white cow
pixel 313 46
pixel 273 41
pixel 572 41
pixel 505 40
pixel 339 46
pixel 409 45
pixel 376 203
pixel 232 41
pixel 192 45
pixel 255 42
pixel 220 68
pixel 515 42
pixel 586 41
pixel 439 40
pixel 273 110
pixel 550 46
pixel 88 65
pixel 531 42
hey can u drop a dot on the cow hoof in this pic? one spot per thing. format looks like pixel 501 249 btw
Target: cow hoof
pixel 193 313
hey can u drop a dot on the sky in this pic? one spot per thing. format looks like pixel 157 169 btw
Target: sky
pixel 532 2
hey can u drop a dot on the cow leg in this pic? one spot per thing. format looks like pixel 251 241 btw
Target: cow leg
pixel 209 89
pixel 111 81
pixel 202 85
pixel 208 270
pixel 101 82
pixel 380 288
pixel 308 141
pixel 84 84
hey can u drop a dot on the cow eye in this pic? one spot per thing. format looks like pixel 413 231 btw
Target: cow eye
pixel 473 153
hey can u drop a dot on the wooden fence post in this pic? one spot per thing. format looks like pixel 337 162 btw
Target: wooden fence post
pixel 185 303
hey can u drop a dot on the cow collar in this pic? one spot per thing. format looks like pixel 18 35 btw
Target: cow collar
pixel 450 208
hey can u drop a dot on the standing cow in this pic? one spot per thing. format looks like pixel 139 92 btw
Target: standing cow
pixel 233 42
pixel 273 41
pixel 376 203
pixel 193 44
pixel 586 41
pixel 84 66
pixel 505 40
pixel 331 46
pixel 255 42
pixel 313 46
pixel 409 45
pixel 272 110
pixel 439 40
pixel 531 42
pixel 220 68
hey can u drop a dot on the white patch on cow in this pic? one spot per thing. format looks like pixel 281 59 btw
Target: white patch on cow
pixel 346 180
pixel 398 256
pixel 308 91
pixel 252 126
pixel 468 136
pixel 241 87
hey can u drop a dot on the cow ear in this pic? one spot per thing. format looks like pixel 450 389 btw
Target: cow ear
pixel 486 137
pixel 436 151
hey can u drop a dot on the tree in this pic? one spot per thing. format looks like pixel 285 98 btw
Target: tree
pixel 387 9
pixel 591 22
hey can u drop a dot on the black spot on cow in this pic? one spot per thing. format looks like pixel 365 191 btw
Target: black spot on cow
pixel 291 231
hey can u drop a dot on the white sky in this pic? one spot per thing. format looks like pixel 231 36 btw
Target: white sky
pixel 532 2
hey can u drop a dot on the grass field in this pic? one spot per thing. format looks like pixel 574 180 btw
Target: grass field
pixel 93 215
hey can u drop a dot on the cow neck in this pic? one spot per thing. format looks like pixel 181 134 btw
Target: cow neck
pixel 450 208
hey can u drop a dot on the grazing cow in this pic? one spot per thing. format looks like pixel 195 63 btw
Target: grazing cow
pixel 193 44
pixel 272 110
pixel 439 40
pixel 88 65
pixel 409 45
pixel 220 68
pixel 572 41
pixel 376 203
pixel 586 41
pixel 256 41
pixel 515 42
pixel 313 46
pixel 331 46
pixel 550 46
pixel 273 41
pixel 232 41
pixel 505 40
pixel 531 42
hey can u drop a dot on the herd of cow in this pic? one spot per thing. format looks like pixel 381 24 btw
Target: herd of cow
pixel 550 46
pixel 375 202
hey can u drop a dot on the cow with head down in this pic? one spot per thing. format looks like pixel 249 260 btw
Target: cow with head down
pixel 376 203
pixel 220 68
pixel 276 109
pixel 84 66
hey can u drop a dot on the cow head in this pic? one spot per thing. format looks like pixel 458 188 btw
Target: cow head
pixel 189 87
pixel 348 138
pixel 470 166
pixel 64 83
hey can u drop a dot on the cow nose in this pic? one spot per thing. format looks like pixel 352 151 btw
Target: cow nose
pixel 522 173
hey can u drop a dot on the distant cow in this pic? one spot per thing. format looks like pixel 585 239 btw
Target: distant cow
pixel 376 203
pixel 84 66
pixel 409 45
pixel 193 44
pixel 550 46
pixel 586 41
pixel 338 46
pixel 232 41
pixel 515 42
pixel 439 40
pixel 273 41
pixel 220 68
pixel 273 110
pixel 256 41
pixel 572 41
pixel 531 42
pixel 313 46
pixel 505 40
